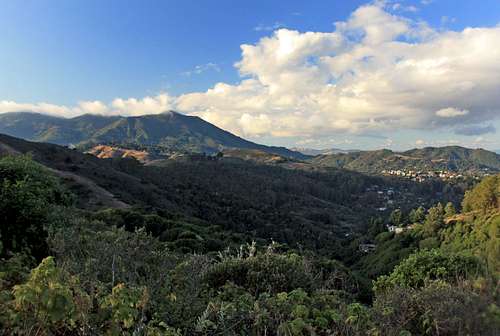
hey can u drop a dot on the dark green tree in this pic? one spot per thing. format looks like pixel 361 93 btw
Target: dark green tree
pixel 434 220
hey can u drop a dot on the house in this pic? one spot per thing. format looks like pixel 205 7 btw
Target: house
pixel 399 230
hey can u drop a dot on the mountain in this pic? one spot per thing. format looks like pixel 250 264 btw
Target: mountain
pixel 452 158
pixel 166 132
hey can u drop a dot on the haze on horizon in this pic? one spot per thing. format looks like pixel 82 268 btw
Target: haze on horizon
pixel 364 75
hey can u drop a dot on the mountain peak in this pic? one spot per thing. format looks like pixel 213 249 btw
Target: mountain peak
pixel 171 131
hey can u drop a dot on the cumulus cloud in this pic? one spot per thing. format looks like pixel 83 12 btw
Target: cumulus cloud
pixel 420 143
pixel 147 105
pixel 128 107
pixel 12 106
pixel 451 112
pixel 373 73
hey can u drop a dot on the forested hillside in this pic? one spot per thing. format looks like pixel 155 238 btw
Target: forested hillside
pixel 166 132
pixel 453 158
pixel 205 246
pixel 293 206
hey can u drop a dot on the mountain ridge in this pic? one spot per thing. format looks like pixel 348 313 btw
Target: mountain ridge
pixel 171 131
pixel 452 158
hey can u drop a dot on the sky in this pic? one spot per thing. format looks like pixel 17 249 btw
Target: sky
pixel 316 74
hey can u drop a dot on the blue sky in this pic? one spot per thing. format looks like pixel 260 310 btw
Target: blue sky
pixel 66 52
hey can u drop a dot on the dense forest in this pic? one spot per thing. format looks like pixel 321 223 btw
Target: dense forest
pixel 229 247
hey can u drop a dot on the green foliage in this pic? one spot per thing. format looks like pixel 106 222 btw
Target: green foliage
pixel 235 311
pixel 41 181
pixel 109 257
pixel 391 250
pixel 429 243
pixel 426 266
pixel 396 217
pixel 264 273
pixel 151 271
pixel 485 196
pixel 51 301
pixel 449 210
pixel 128 306
pixel 417 215
pixel 478 235
pixel 437 309
pixel 434 220
pixel 28 193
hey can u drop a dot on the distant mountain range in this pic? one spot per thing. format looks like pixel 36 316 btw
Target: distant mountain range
pixel 169 131
pixel 149 137
pixel 326 151
pixel 452 158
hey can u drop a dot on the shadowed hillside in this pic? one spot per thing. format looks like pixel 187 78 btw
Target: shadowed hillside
pixel 167 132
pixel 268 201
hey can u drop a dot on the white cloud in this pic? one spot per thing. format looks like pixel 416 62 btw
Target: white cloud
pixel 255 125
pixel 201 68
pixel 128 107
pixel 375 72
pixel 451 112
pixel 420 143
pixel 402 8
pixel 93 107
pixel 12 106
pixel 147 105
pixel 271 27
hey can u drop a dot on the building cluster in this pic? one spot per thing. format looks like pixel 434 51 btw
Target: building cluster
pixel 384 194
pixel 422 176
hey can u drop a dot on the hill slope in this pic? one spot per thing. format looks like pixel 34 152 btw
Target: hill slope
pixel 262 200
pixel 170 131
pixel 452 158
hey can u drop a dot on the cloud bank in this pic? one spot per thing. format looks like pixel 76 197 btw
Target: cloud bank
pixel 375 72
pixel 127 107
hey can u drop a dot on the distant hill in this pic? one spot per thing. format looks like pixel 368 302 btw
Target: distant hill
pixel 326 151
pixel 169 131
pixel 452 158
